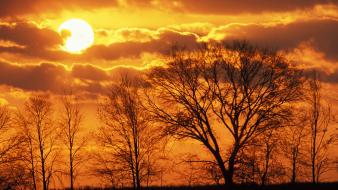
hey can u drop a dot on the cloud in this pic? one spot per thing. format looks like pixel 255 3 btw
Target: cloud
pixel 14 8
pixel 19 8
pixel 243 6
pixel 160 41
pixel 43 77
pixel 56 77
pixel 131 43
pixel 321 33
pixel 89 72
pixel 35 43
pixel 227 7
pixel 29 35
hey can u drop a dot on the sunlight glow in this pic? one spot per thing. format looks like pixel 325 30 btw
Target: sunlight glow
pixel 78 35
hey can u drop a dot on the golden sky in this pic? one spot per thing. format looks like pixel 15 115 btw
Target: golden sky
pixel 133 35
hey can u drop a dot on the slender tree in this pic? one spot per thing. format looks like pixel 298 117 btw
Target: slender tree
pixel 269 146
pixel 28 148
pixel 238 89
pixel 293 145
pixel 40 135
pixel 8 142
pixel 71 130
pixel 127 134
pixel 320 140
pixel 12 174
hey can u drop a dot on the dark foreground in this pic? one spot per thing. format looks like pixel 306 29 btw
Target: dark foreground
pixel 299 186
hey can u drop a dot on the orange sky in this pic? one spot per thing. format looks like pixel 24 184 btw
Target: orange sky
pixel 133 35
pixel 138 32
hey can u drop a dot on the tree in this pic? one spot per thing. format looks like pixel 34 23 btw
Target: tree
pixel 259 162
pixel 320 140
pixel 71 130
pixel 269 142
pixel 40 137
pixel 293 144
pixel 128 136
pixel 8 140
pixel 238 89
pixel 12 175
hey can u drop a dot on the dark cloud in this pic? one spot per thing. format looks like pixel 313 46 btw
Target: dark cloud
pixel 40 43
pixel 246 6
pixel 54 77
pixel 34 77
pixel 321 34
pixel 324 76
pixel 43 44
pixel 29 35
pixel 89 72
pixel 162 44
pixel 14 8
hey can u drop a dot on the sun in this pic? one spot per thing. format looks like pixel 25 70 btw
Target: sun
pixel 78 35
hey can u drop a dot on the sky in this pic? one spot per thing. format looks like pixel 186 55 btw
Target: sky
pixel 135 35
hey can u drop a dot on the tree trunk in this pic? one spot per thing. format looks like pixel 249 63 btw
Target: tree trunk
pixel 71 171
pixel 43 169
pixel 293 177
pixel 138 182
pixel 231 165
pixel 220 164
pixel 313 156
pixel 33 167
pixel 231 170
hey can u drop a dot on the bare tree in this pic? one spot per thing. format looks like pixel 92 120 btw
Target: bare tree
pixel 239 89
pixel 8 140
pixel 320 140
pixel 128 135
pixel 259 162
pixel 28 149
pixel 40 137
pixel 270 143
pixel 293 144
pixel 71 120
pixel 12 175
pixel 192 170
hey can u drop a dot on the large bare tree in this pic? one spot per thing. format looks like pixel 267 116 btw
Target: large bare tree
pixel 223 93
pixel 71 120
pixel 129 139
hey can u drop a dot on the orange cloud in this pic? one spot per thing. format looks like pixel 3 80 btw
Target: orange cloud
pixel 14 8
pixel 56 77
pixel 29 35
pixel 239 6
pixel 283 36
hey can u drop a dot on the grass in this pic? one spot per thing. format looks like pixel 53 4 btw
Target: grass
pixel 298 186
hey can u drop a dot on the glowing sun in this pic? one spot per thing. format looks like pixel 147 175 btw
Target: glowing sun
pixel 78 35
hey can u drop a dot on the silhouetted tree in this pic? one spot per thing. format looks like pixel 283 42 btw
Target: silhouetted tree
pixel 191 168
pixel 8 140
pixel 40 137
pixel 238 89
pixel 293 144
pixel 320 139
pixel 12 175
pixel 128 136
pixel 269 141
pixel 71 130
pixel 259 162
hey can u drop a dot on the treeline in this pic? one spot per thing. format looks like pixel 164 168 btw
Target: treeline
pixel 259 118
